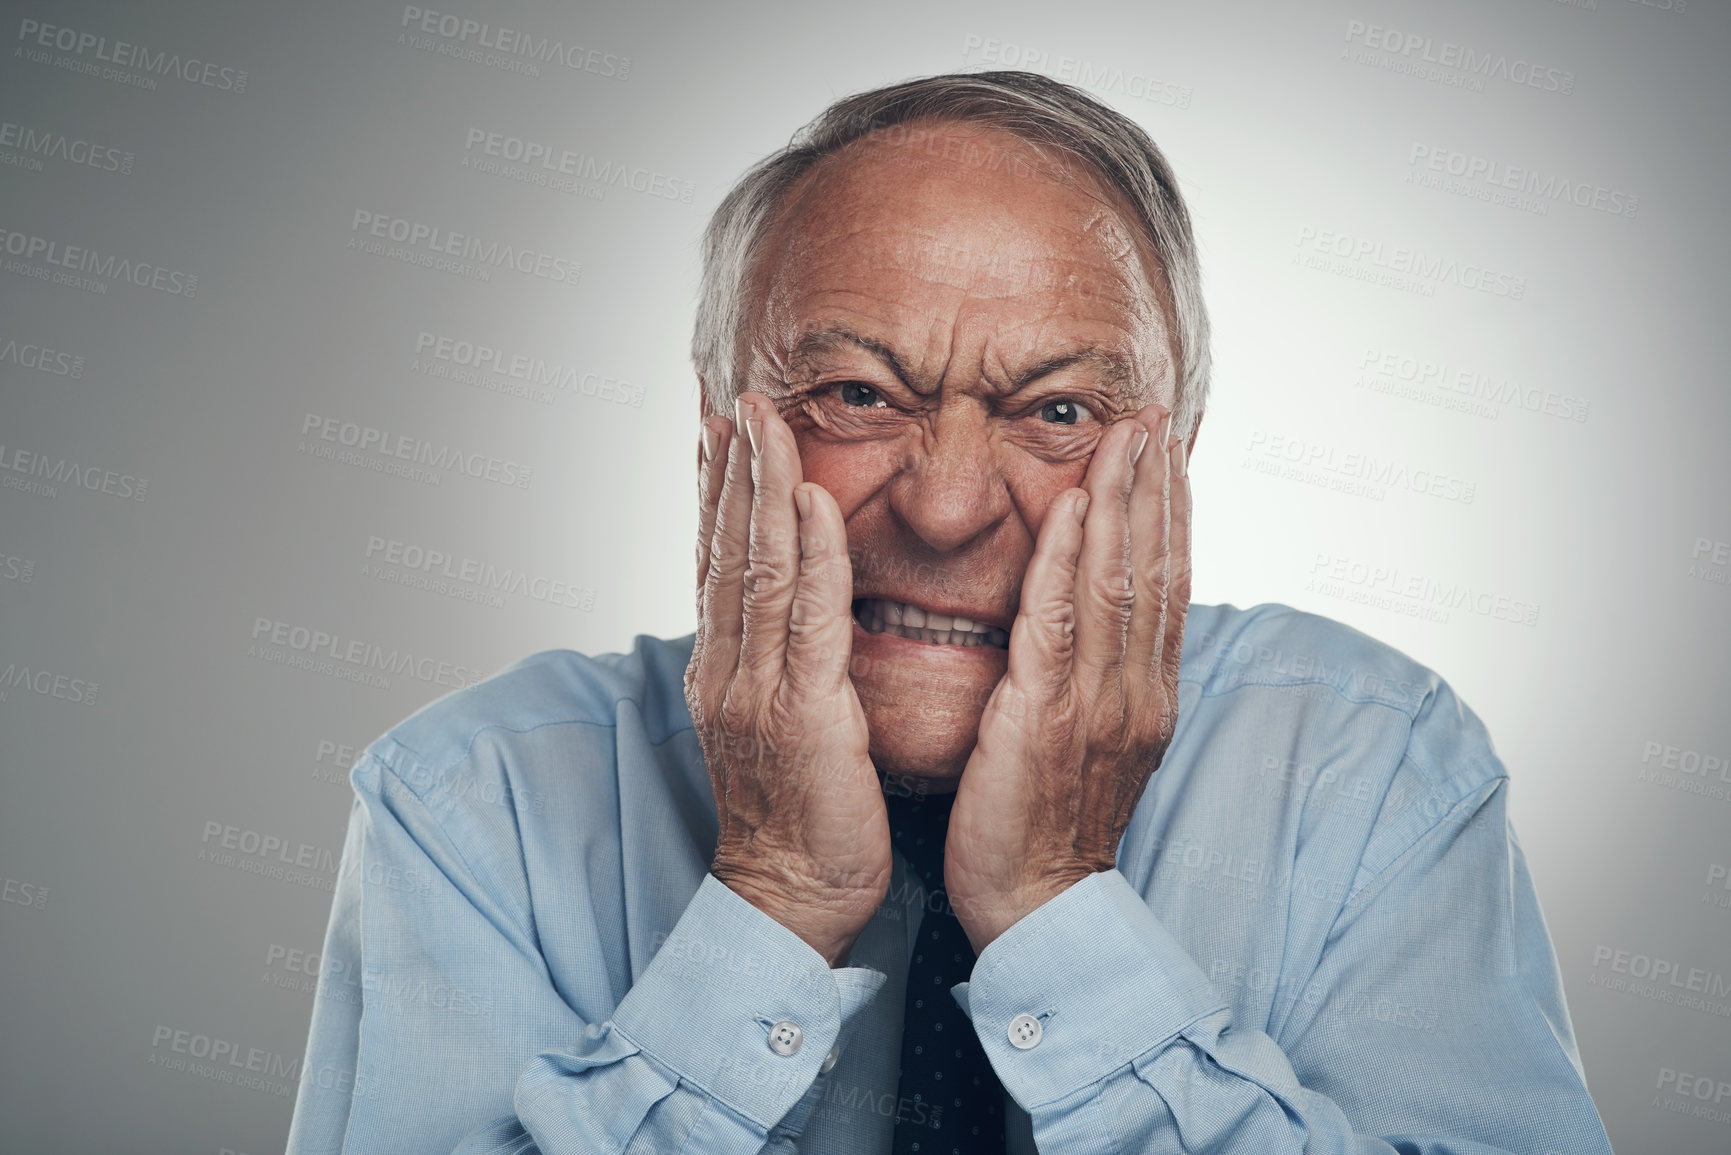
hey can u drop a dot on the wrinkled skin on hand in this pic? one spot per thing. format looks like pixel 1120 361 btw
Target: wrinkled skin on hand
pixel 804 835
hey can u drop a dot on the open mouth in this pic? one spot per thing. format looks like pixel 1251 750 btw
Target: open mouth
pixel 879 616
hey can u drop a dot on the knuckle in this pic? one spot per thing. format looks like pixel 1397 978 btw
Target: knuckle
pixel 765 577
pixel 725 564
pixel 824 566
pixel 1111 746
pixel 767 539
pixel 1056 617
pixel 1153 593
pixel 1115 589
pixel 806 621
pixel 817 544
pixel 733 720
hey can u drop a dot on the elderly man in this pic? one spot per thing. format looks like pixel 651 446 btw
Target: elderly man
pixel 955 827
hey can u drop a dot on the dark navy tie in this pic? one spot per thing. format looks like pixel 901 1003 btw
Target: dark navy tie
pixel 950 1101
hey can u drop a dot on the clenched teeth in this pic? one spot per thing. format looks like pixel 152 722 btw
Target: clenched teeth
pixel 880 616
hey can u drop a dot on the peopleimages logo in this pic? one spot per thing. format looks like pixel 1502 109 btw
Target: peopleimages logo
pixel 1515 186
pixel 32 895
pixel 1718 878
pixel 466 39
pixel 465 253
pixel 16 569
pixel 86 268
pixel 1466 390
pixel 1662 980
pixel 254 844
pixel 1349 471
pixel 33 36
pixel 1414 594
pixel 41 358
pixel 368 447
pixel 34 144
pixel 535 162
pixel 1444 61
pixel 47 683
pixel 464 361
pixel 1703 774
pixel 1398 266
pixel 467 578
pixel 1710 561
pixel 1700 1096
pixel 40 474
pixel 225 1061
pixel 1109 80
pixel 318 650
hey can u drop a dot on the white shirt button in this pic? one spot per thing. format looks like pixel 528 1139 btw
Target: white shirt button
pixel 1025 1031
pixel 785 1037
pixel 829 1059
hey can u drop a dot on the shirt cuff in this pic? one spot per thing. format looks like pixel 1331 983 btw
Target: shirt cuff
pixel 1104 979
pixel 726 975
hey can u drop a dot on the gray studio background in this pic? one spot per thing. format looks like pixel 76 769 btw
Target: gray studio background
pixel 276 469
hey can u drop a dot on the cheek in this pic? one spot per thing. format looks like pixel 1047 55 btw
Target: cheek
pixel 850 471
pixel 1034 484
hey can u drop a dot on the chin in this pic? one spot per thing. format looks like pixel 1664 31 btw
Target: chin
pixel 923 702
pixel 930 748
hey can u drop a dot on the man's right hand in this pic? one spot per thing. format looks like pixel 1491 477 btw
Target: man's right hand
pixel 804 834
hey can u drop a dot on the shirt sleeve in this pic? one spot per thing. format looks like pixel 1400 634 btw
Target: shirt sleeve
pixel 1432 1024
pixel 437 1026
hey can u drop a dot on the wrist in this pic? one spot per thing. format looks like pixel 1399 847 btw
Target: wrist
pixel 984 919
pixel 834 945
pixel 829 923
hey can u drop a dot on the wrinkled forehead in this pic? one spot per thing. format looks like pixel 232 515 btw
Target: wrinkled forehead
pixel 964 213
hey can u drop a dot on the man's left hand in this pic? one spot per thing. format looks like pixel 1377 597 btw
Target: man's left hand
pixel 1077 726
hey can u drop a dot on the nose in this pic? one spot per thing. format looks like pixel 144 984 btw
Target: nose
pixel 950 490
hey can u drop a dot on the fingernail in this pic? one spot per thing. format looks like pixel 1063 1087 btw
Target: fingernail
pixel 1181 459
pixel 1164 429
pixel 802 498
pixel 1081 507
pixel 711 441
pixel 1136 444
pixel 742 416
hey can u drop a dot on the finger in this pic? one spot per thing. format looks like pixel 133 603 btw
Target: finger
pixel 772 553
pixel 1105 591
pixel 719 626
pixel 1042 638
pixel 1149 513
pixel 712 444
pixel 1177 568
pixel 820 621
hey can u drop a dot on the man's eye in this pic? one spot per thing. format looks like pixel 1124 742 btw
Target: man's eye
pixel 1062 412
pixel 862 396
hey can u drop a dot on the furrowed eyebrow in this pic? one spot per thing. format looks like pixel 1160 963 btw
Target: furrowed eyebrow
pixel 1116 366
pixel 839 336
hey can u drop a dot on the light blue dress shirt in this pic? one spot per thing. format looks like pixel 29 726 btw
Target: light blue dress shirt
pixel 1321 936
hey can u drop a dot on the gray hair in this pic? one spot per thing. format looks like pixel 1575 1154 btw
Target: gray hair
pixel 1040 111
